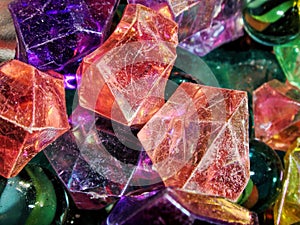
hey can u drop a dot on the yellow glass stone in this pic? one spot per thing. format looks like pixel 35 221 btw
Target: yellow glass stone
pixel 287 207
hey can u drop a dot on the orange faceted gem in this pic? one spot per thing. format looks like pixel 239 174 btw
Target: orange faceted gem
pixel 32 114
pixel 199 140
pixel 125 78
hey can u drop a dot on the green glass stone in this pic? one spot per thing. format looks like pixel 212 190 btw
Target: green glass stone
pixel 288 56
pixel 266 172
pixel 272 22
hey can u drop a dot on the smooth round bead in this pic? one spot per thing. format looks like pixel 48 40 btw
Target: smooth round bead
pixel 266 172
pixel 272 22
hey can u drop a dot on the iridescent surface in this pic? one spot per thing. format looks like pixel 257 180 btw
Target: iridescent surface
pixel 32 114
pixel 288 56
pixel 172 206
pixel 33 197
pixel 266 172
pixel 276 114
pixel 199 140
pixel 226 26
pixel 117 79
pixel 286 209
pixel 98 160
pixel 272 22
pixel 55 35
pixel 7 34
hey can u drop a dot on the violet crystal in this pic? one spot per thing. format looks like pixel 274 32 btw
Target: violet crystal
pixel 173 206
pixel 55 35
pixel 99 161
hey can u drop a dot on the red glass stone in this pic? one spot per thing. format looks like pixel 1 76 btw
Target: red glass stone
pixel 199 140
pixel 32 114
pixel 117 80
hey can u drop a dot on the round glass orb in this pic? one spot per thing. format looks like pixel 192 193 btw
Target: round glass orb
pixel 266 172
pixel 272 22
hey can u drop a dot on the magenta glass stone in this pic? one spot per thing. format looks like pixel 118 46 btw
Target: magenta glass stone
pixel 55 35
pixel 226 26
pixel 99 161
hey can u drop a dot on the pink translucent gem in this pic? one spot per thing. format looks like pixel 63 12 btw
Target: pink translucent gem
pixel 276 114
pixel 199 140
pixel 124 79
pixel 32 114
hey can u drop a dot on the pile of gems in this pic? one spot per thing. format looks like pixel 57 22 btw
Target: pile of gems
pixel 149 112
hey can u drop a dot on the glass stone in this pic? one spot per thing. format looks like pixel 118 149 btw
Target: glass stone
pixel 276 114
pixel 33 197
pixel 266 172
pixel 288 56
pixel 56 35
pixel 226 25
pixel 287 207
pixel 272 22
pixel 173 206
pixel 99 160
pixel 130 70
pixel 32 111
pixel 199 140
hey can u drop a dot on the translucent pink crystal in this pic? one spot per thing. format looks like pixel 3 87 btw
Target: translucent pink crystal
pixel 199 140
pixel 276 114
pixel 124 79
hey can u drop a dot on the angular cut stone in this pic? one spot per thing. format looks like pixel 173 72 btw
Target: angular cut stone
pixel 286 209
pixel 117 80
pixel 288 56
pixel 276 114
pixel 173 206
pixel 226 26
pixel 191 16
pixel 199 140
pixel 98 161
pixel 32 114
pixel 55 35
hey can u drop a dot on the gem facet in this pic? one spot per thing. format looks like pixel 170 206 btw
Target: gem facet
pixel 288 56
pixel 173 206
pixel 55 35
pixel 32 114
pixel 286 209
pixel 125 78
pixel 276 109
pixel 225 26
pixel 199 140
pixel 99 160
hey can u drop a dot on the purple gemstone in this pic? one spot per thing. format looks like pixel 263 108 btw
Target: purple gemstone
pixel 225 27
pixel 99 161
pixel 56 35
pixel 173 206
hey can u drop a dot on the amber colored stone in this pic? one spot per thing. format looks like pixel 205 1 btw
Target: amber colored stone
pixel 32 114
pixel 117 79
pixel 276 114
pixel 199 140
pixel 287 207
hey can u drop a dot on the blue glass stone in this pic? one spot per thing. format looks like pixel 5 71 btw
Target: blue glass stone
pixel 266 172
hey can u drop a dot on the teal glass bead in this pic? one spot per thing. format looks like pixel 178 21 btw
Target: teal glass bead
pixel 33 197
pixel 272 22
pixel 266 172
